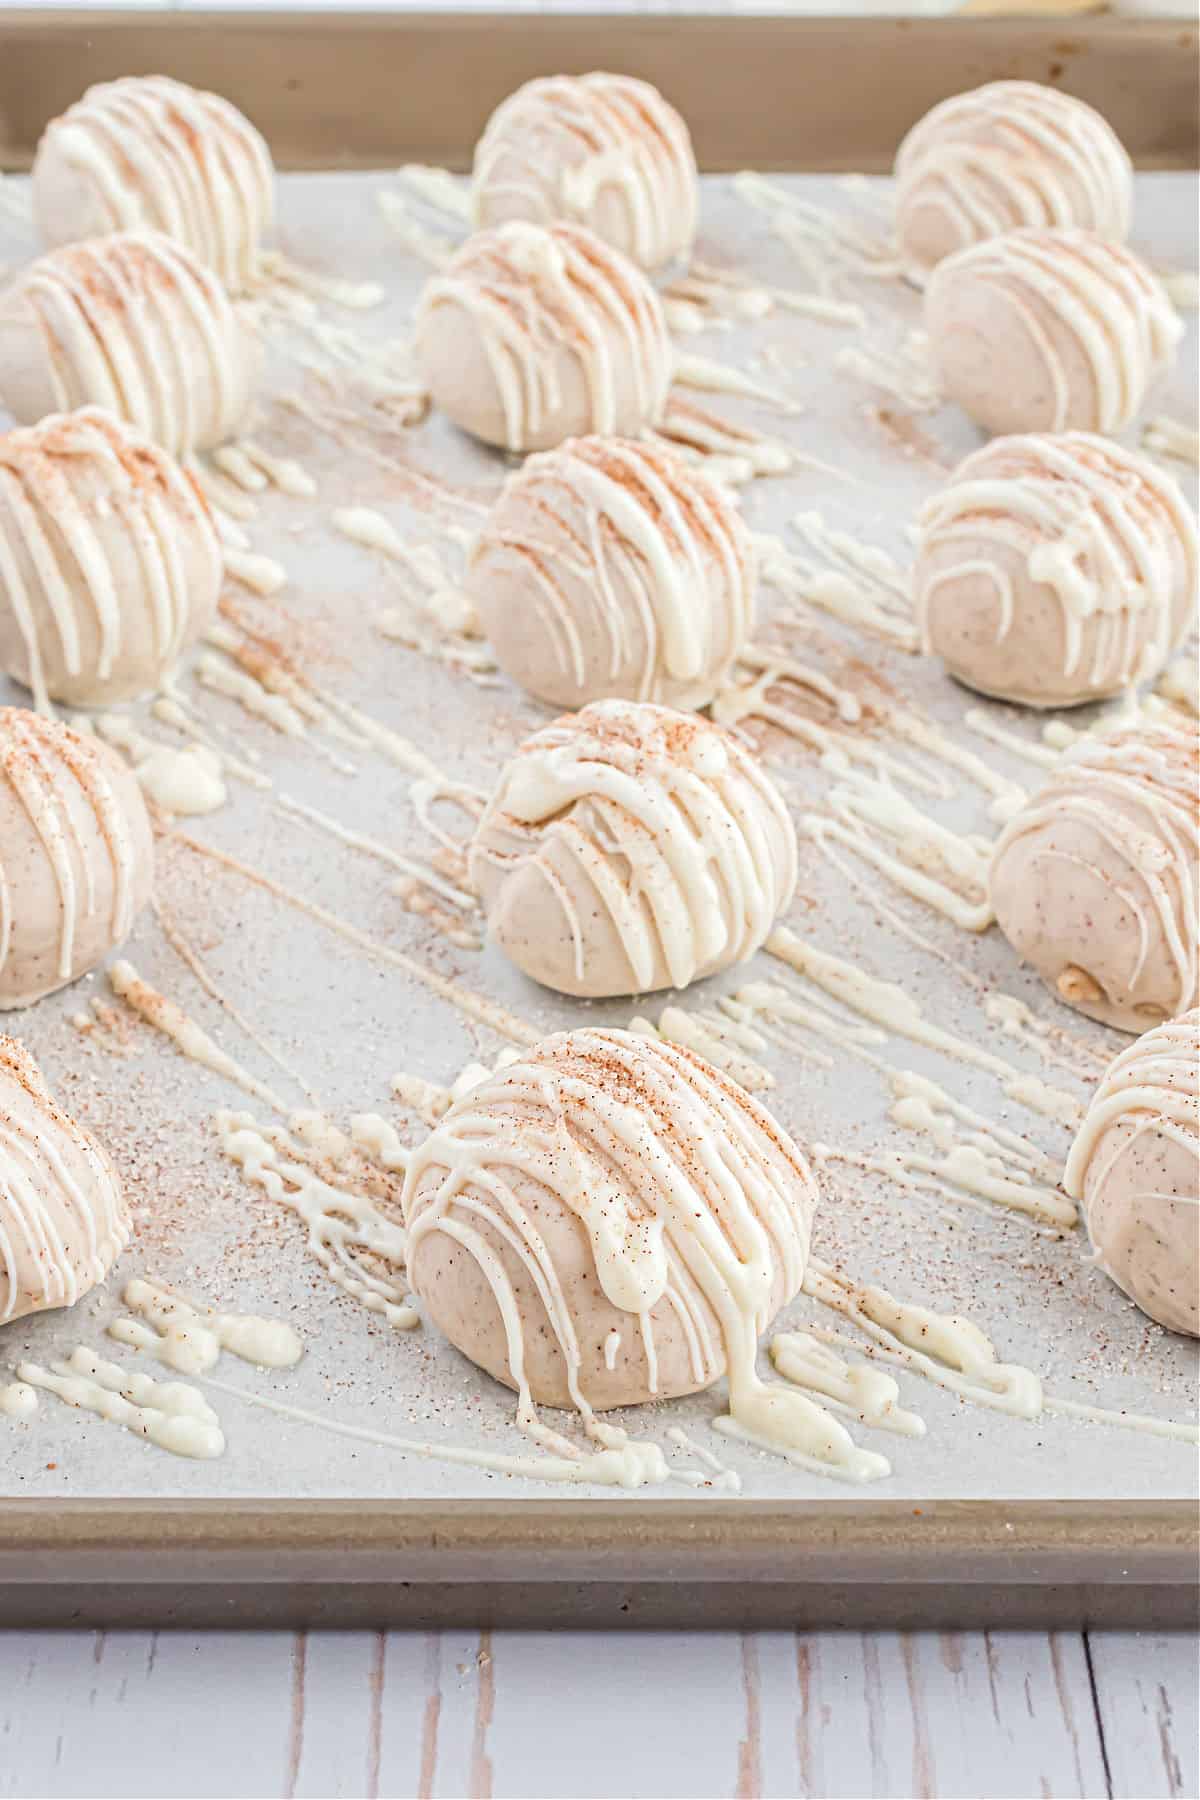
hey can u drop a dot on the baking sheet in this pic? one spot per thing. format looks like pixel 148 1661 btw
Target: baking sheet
pixel 340 89
pixel 349 1024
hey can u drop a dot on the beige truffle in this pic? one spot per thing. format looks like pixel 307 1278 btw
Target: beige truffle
pixel 110 563
pixel 1049 331
pixel 1009 154
pixel 1055 570
pixel 533 334
pixel 1096 881
pixel 629 848
pixel 76 854
pixel 609 568
pixel 604 151
pixel 132 323
pixel 63 1217
pixel 150 154
pixel 1136 1167
pixel 607 1221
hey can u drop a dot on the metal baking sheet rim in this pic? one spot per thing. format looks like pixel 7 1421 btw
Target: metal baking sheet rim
pixel 1044 1564
pixel 946 1563
pixel 452 68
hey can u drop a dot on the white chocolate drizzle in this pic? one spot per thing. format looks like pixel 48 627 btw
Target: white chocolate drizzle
pixel 18 1401
pixel 57 532
pixel 190 1339
pixel 474 1006
pixel 1171 437
pixel 1152 1086
pixel 829 248
pixel 170 1414
pixel 619 1462
pixel 903 370
pixel 1014 153
pixel 167 1016
pixel 360 1248
pixel 857 583
pixel 1136 787
pixel 946 1348
pixel 631 143
pixel 93 301
pixel 185 782
pixel 675 800
pixel 57 776
pixel 1105 302
pixel 1098 525
pixel 868 1394
pixel 531 291
pixel 649 1209
pixel 890 1007
pixel 660 554
pixel 162 156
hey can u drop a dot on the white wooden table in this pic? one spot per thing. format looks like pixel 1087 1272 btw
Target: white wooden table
pixel 575 1714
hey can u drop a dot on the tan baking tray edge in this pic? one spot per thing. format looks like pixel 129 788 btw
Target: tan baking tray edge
pixel 360 90
pixel 349 1563
pixel 357 91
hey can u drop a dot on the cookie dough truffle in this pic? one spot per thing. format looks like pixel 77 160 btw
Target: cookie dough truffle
pixel 1055 570
pixel 76 854
pixel 1049 331
pixel 609 568
pixel 110 563
pixel 1096 882
pixel 1009 154
pixel 1136 1168
pixel 629 848
pixel 533 334
pixel 150 154
pixel 132 323
pixel 608 1221
pixel 63 1217
pixel 604 151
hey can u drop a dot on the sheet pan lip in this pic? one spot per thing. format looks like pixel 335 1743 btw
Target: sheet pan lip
pixel 818 1535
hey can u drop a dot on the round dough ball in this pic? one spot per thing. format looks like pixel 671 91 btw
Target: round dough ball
pixel 110 563
pixel 1009 154
pixel 1055 570
pixel 629 848
pixel 76 854
pixel 1096 882
pixel 1135 1166
pixel 607 1221
pixel 1049 331
pixel 150 154
pixel 533 334
pixel 63 1217
pixel 604 151
pixel 132 323
pixel 613 568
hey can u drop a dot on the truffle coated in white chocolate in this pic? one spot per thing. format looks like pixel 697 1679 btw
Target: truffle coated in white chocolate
pixel 76 855
pixel 1055 570
pixel 1135 1166
pixel 1009 154
pixel 608 1183
pixel 628 848
pixel 533 334
pixel 150 154
pixel 1049 331
pixel 132 323
pixel 110 563
pixel 1096 881
pixel 614 569
pixel 63 1217
pixel 604 151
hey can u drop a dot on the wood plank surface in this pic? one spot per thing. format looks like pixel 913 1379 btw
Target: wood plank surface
pixel 470 1714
